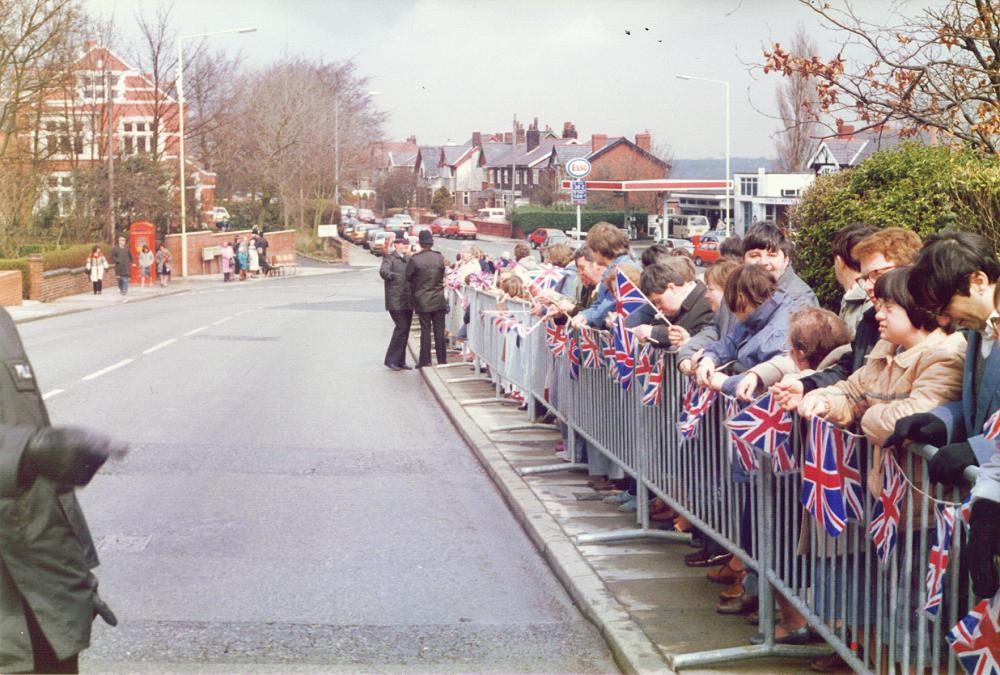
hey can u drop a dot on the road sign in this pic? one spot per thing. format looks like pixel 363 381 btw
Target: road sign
pixel 578 168
pixel 578 188
pixel 326 231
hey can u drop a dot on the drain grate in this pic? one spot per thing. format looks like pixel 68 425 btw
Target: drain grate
pixel 124 542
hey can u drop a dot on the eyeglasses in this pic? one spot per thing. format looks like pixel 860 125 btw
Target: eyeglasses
pixel 873 276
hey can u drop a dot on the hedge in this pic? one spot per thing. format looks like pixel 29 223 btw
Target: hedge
pixel 531 218
pixel 922 188
pixel 70 257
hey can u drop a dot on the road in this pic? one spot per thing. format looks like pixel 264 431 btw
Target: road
pixel 289 503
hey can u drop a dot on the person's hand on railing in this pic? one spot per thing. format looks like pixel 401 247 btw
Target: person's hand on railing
pixel 579 321
pixel 565 306
pixel 983 547
pixel 788 392
pixel 688 366
pixel 920 428
pixel 677 335
pixel 814 406
pixel 717 380
pixel 747 387
pixel 948 463
pixel 703 373
pixel 643 332
pixel 609 319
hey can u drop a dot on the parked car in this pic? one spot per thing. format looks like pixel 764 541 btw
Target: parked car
pixel 381 242
pixel 547 236
pixel 705 253
pixel 360 232
pixel 417 228
pixel 366 216
pixel 674 242
pixel 400 219
pixel 461 229
pixel 347 211
pixel 438 225
pixel 492 215
pixel 370 237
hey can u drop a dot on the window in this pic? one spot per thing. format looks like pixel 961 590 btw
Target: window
pixel 90 86
pixel 59 140
pixel 748 186
pixel 465 199
pixel 791 193
pixel 770 212
pixel 137 137
pixel 60 192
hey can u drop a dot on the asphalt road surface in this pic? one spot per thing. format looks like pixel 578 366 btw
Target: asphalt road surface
pixel 289 503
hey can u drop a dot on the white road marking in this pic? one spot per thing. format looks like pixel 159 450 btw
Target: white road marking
pixel 160 346
pixel 54 392
pixel 196 330
pixel 105 371
pixel 222 320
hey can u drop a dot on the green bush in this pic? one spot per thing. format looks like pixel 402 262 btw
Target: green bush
pixel 530 218
pixel 71 256
pixel 922 188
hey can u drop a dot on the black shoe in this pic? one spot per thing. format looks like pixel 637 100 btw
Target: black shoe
pixel 393 367
pixel 403 366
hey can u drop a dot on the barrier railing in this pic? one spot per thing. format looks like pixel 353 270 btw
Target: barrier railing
pixel 868 613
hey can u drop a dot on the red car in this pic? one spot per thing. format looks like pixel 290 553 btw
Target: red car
pixel 460 229
pixel 438 225
pixel 705 253
pixel 547 236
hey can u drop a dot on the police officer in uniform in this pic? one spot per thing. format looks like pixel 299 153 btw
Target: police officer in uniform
pixel 48 595
pixel 397 301
pixel 425 279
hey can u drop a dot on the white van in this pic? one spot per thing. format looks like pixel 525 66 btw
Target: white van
pixel 492 215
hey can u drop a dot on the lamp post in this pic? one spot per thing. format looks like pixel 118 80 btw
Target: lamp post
pixel 729 178
pixel 180 111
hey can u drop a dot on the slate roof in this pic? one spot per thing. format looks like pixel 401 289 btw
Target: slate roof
pixel 856 148
pixel 428 157
pixel 452 153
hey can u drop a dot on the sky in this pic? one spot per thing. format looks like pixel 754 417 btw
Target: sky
pixel 446 68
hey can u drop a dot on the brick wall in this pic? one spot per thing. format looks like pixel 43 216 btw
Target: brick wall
pixel 10 288
pixel 277 243
pixel 53 284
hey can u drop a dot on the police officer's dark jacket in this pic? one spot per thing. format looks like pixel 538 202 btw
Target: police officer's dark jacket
pixel 46 552
pixel 397 292
pixel 425 277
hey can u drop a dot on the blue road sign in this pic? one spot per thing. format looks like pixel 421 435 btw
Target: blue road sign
pixel 578 190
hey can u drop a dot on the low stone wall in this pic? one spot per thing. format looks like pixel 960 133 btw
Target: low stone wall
pixel 10 288
pixel 47 285
pixel 277 243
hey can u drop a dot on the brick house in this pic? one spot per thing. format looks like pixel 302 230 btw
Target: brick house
pixel 74 127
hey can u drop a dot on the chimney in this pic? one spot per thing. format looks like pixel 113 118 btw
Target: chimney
pixel 411 139
pixel 477 139
pixel 844 130
pixel 598 141
pixel 520 134
pixel 508 137
pixel 569 131
pixel 533 137
pixel 644 141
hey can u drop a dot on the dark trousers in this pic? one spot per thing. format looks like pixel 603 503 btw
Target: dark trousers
pixel 395 355
pixel 435 321
pixel 123 284
pixel 97 286
pixel 45 658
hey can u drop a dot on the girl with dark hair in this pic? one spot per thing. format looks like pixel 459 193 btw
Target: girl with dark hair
pixel 97 264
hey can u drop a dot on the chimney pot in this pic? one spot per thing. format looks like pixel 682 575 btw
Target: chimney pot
pixel 644 141
pixel 477 139
pixel 598 141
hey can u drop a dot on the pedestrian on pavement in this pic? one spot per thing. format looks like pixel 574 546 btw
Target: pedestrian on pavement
pixel 262 245
pixel 121 257
pixel 48 594
pixel 145 265
pixel 425 282
pixel 397 301
pixel 243 259
pixel 164 262
pixel 253 258
pixel 227 261
pixel 96 265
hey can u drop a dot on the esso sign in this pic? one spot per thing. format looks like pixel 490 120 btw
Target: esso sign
pixel 578 168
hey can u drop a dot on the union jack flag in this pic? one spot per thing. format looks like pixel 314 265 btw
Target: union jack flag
pixel 623 353
pixel 937 564
pixel 629 297
pixel 975 639
pixel 965 511
pixel 643 365
pixel 845 448
pixel 545 278
pixel 653 391
pixel 696 402
pixel 574 358
pixel 763 424
pixel 822 487
pixel 483 281
pixel 992 427
pixel 590 351
pixel 742 452
pixel 885 519
pixel 608 354
pixel 555 337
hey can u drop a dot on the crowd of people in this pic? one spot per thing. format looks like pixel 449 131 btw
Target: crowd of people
pixel 909 358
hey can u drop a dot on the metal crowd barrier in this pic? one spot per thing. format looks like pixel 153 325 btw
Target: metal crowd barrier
pixel 870 616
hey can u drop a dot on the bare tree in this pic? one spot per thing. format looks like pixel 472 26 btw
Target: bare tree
pixel 797 103
pixel 939 70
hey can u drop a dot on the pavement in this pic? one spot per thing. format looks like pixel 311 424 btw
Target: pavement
pixel 288 503
pixel 647 603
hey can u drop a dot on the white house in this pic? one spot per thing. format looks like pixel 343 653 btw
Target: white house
pixel 767 196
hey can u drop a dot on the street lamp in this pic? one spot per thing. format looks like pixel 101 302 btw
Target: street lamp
pixel 180 110
pixel 729 185
pixel 336 143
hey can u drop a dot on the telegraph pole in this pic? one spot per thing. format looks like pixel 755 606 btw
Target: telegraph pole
pixel 109 97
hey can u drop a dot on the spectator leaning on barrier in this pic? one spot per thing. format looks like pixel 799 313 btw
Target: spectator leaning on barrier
pixel 609 247
pixel 715 283
pixel 877 254
pixel 956 276
pixel 671 285
pixel 847 269
pixel 524 262
pixel 731 247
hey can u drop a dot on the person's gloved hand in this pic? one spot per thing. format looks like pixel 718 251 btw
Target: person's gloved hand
pixel 919 428
pixel 983 546
pixel 947 465
pixel 68 455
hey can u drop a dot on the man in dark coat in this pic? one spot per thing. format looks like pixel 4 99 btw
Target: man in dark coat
pixel 671 285
pixel 121 258
pixel 425 281
pixel 397 301
pixel 48 595
pixel 261 244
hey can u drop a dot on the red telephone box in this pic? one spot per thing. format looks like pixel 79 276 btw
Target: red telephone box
pixel 141 234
